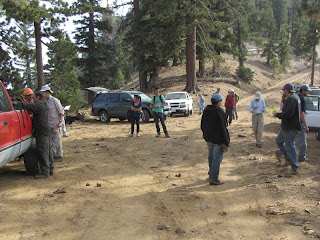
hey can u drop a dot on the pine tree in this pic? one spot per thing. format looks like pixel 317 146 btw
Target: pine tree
pixel 94 52
pixel 284 48
pixel 62 73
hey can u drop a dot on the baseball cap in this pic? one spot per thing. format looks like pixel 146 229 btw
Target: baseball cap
pixel 46 88
pixel 289 87
pixel 305 87
pixel 217 97
pixel 231 90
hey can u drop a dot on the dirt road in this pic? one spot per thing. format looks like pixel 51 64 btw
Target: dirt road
pixel 141 196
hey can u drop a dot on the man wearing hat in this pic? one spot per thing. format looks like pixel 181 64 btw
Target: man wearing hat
pixel 257 108
pixel 215 132
pixel 302 135
pixel 27 95
pixel 290 126
pixel 229 105
pixel 55 119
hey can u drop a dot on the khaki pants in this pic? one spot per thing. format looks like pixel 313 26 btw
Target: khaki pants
pixel 257 125
pixel 57 144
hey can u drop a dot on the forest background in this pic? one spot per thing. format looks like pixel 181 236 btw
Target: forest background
pixel 106 49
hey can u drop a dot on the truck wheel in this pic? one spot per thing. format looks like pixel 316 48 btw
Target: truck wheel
pixel 145 116
pixel 104 117
pixel 187 113
pixel 191 111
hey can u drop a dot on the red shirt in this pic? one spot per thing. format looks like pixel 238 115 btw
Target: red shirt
pixel 230 101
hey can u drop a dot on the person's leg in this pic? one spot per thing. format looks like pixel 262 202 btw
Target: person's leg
pixel 161 116
pixel 138 124
pixel 302 139
pixel 260 127
pixel 280 143
pixel 156 121
pixel 290 139
pixel 132 125
pixel 56 138
pixel 230 115
pixel 43 149
pixel 51 155
pixel 254 125
pixel 64 129
pixel 217 155
pixel 235 111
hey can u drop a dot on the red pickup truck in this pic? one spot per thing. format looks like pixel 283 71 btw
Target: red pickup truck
pixel 15 129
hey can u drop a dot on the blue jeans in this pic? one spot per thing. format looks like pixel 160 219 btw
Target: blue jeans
pixel 133 121
pixel 302 139
pixel 214 158
pixel 286 142
pixel 159 116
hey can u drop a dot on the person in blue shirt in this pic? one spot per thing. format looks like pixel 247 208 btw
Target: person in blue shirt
pixel 257 108
pixel 136 109
pixel 157 104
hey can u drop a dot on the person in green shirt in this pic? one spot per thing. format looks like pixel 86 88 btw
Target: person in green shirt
pixel 157 104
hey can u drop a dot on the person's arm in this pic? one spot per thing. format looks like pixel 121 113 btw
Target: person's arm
pixel 60 111
pixel 303 119
pixel 32 107
pixel 163 101
pixel 223 126
pixel 288 109
pixel 251 107
pixel 264 108
pixel 225 103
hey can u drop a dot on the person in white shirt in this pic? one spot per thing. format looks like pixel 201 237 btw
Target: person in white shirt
pixel 257 108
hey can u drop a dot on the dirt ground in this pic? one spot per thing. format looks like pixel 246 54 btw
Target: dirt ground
pixel 110 186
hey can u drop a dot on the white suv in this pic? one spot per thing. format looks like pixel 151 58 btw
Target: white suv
pixel 313 113
pixel 180 102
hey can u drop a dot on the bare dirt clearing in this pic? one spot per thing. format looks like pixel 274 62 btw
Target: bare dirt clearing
pixel 142 196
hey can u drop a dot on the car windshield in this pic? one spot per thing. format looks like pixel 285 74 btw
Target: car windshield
pixel 171 96
pixel 142 95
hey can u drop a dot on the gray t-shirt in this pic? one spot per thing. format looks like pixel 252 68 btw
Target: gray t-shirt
pixel 55 109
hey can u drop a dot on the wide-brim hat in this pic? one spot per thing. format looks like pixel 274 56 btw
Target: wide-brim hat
pixel 258 95
pixel 46 88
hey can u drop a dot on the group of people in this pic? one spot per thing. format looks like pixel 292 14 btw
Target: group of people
pixel 157 105
pixel 48 117
pixel 214 125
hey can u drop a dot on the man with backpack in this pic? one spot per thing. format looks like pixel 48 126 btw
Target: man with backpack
pixel 157 104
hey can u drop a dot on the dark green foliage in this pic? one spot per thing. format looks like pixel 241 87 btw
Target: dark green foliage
pixel 245 74
pixel 62 74
pixel 283 49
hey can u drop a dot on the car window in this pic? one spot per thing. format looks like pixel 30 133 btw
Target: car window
pixel 124 97
pixel 314 91
pixel 142 95
pixel 4 101
pixel 312 103
pixel 171 96
pixel 100 97
pixel 114 97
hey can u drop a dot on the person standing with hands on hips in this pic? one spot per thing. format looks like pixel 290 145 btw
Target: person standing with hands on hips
pixel 55 119
pixel 136 109
pixel 257 108
pixel 215 133
pixel 157 104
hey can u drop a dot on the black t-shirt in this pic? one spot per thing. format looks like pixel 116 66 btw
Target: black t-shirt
pixel 303 103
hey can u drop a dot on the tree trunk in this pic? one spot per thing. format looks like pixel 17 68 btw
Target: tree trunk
pixel 314 53
pixel 143 80
pixel 191 45
pixel 154 78
pixel 202 67
pixel 37 35
pixel 175 62
pixel 240 46
pixel 91 46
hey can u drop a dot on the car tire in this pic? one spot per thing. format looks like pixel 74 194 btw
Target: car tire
pixel 187 113
pixel 191 111
pixel 104 116
pixel 145 116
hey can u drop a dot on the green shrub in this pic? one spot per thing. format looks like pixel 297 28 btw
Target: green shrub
pixel 245 74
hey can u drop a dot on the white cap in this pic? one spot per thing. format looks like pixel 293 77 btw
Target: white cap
pixel 46 88
pixel 231 90
pixel 258 95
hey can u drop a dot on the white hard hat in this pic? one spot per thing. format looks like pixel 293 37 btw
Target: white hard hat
pixel 46 88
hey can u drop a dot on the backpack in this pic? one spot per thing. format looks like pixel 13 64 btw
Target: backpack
pixel 154 99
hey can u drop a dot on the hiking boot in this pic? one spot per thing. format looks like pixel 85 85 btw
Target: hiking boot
pixel 294 171
pixel 301 159
pixel 138 135
pixel 167 135
pixel 51 172
pixel 258 145
pixel 40 176
pixel 130 135
pixel 158 135
pixel 286 164
pixel 58 159
pixel 216 183
pixel 278 156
